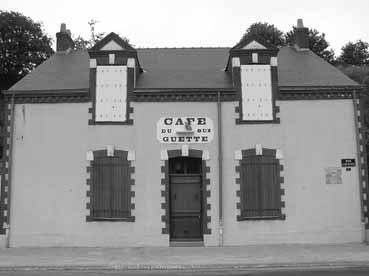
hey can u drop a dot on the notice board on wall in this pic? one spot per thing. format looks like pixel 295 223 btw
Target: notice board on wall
pixel 333 175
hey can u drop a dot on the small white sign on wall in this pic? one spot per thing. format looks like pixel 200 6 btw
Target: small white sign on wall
pixel 185 130
pixel 333 175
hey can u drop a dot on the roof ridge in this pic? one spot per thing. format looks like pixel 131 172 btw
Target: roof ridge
pixel 181 48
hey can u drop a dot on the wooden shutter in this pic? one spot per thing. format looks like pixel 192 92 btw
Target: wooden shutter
pixel 110 197
pixel 120 197
pixel 249 187
pixel 111 94
pixel 269 188
pixel 256 83
pixel 260 191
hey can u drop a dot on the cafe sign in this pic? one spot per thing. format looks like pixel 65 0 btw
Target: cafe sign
pixel 184 130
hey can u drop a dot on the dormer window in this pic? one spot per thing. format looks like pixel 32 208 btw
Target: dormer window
pixel 256 88
pixel 253 65
pixel 111 94
pixel 113 68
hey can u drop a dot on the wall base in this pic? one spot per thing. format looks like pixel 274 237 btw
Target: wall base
pixel 3 239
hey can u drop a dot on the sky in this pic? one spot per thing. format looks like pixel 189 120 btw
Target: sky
pixel 197 23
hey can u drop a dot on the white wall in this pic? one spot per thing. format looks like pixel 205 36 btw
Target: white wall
pixel 49 174
pixel 3 241
pixel 313 135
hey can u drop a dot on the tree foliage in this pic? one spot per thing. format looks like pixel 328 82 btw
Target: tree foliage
pixel 81 43
pixel 355 53
pixel 365 83
pixel 357 73
pixel 317 43
pixel 23 46
pixel 268 32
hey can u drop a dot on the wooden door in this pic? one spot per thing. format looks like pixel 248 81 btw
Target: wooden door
pixel 185 207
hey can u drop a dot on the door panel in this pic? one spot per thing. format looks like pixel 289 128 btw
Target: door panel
pixel 185 228
pixel 185 206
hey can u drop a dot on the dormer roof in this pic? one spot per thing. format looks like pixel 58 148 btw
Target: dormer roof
pixel 253 42
pixel 112 42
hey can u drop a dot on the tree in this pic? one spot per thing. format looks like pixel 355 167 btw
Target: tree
pixel 357 73
pixel 317 43
pixel 366 83
pixel 23 46
pixel 355 53
pixel 268 32
pixel 80 43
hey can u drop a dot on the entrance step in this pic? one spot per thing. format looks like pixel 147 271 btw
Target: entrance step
pixel 186 243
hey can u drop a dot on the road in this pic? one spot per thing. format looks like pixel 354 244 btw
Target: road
pixel 341 272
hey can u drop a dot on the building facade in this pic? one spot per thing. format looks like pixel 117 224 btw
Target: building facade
pixel 118 146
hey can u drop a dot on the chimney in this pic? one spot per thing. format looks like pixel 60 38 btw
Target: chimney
pixel 64 40
pixel 301 36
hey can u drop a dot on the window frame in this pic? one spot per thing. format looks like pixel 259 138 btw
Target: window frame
pixel 259 161
pixel 121 59
pixel 127 181
pixel 244 57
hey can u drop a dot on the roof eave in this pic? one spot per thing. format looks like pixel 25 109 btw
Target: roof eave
pixel 50 92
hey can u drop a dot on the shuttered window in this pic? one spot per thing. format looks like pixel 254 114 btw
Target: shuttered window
pixel 111 93
pixel 257 102
pixel 260 191
pixel 110 193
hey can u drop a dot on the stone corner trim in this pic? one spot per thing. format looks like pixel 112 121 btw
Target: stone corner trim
pixel 362 149
pixel 4 172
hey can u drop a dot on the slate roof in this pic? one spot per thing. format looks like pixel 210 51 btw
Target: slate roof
pixel 59 72
pixel 305 68
pixel 182 68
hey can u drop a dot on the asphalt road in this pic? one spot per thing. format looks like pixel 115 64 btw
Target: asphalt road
pixel 341 272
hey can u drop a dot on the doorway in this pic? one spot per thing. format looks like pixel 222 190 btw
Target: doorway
pixel 186 197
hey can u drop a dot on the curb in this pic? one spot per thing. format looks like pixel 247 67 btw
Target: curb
pixel 199 267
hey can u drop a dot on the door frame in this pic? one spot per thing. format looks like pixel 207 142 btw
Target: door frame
pixel 206 218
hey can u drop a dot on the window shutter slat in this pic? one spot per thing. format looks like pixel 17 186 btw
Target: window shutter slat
pixel 127 190
pixel 249 191
pixel 107 187
pixel 120 196
pixel 270 189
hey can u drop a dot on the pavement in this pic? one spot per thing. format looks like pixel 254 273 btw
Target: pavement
pixel 255 257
